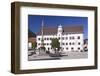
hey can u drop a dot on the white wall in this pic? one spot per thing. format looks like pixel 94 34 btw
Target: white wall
pixel 75 46
pixel 5 33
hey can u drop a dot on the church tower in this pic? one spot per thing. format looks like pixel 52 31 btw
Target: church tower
pixel 60 30
pixel 59 34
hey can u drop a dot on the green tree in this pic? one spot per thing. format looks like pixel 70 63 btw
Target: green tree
pixel 55 43
pixel 34 45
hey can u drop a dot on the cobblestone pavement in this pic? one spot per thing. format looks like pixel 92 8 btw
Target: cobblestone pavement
pixel 68 55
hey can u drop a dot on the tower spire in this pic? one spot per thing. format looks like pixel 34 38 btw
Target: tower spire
pixel 42 41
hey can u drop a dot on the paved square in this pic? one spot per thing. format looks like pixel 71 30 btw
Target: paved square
pixel 67 55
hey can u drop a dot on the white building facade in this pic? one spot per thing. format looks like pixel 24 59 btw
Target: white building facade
pixel 70 38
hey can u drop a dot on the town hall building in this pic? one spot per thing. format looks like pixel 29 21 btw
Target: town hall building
pixel 70 37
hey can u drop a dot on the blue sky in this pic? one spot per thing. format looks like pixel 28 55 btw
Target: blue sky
pixel 35 21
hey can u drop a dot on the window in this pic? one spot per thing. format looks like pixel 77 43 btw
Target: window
pixel 78 48
pixel 78 37
pixel 66 43
pixel 47 38
pixel 73 43
pixel 62 38
pixel 70 38
pixel 48 48
pixel 67 48
pixel 70 43
pixel 47 44
pixel 59 38
pixel 73 37
pixel 44 38
pixel 63 44
pixel 44 43
pixel 78 43
pixel 66 38
pixel 72 48
pixel 38 38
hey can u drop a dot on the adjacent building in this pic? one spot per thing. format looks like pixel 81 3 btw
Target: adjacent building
pixel 70 37
pixel 31 38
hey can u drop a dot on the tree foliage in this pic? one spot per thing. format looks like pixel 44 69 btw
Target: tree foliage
pixel 34 45
pixel 55 43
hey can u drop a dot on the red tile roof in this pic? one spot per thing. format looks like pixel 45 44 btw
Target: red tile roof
pixel 66 29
